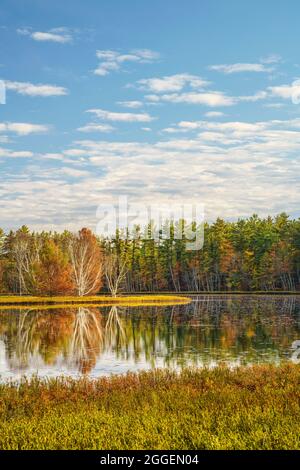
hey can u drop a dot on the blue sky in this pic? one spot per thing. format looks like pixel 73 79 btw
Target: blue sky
pixel 194 101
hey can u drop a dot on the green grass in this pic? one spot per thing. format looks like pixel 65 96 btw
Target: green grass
pixel 161 299
pixel 246 408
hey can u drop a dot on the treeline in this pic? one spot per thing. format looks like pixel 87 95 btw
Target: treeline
pixel 250 254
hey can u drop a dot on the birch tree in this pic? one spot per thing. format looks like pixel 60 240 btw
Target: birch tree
pixel 115 271
pixel 24 251
pixel 86 262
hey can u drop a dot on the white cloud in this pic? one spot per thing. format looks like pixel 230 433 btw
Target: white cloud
pixel 111 60
pixel 228 127
pixel 214 114
pixel 172 83
pixel 73 172
pixel 75 152
pixel 238 132
pixel 40 36
pixel 92 127
pixel 58 35
pixel 122 117
pixel 271 59
pixel 190 89
pixel 170 130
pixel 260 95
pixel 22 128
pixel 30 89
pixel 291 91
pixel 189 125
pixel 51 156
pixel 240 67
pixel 211 99
pixel 234 168
pixel 146 55
pixel 7 153
pixel 131 104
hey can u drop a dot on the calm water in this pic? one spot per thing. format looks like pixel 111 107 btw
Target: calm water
pixel 101 341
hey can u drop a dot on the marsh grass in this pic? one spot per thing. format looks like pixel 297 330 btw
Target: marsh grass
pixel 96 300
pixel 256 407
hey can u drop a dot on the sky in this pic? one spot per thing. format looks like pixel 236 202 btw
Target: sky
pixel 192 101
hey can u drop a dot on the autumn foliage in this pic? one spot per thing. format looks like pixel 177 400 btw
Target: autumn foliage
pixel 247 255
pixel 50 264
pixel 54 271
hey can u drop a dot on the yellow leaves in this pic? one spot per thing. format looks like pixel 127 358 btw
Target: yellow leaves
pixel 249 254
pixel 250 333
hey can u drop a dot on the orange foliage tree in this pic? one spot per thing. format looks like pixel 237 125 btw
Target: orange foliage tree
pixel 54 272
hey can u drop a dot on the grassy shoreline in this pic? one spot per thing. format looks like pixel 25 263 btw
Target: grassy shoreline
pixel 146 298
pixel 254 407
pixel 229 293
pixel 105 300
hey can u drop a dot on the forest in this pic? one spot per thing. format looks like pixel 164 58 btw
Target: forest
pixel 253 254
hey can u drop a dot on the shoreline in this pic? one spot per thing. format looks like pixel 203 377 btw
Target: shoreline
pixel 227 293
pixel 126 300
pixel 62 301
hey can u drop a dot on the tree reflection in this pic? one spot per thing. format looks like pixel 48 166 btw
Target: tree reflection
pixel 115 335
pixel 211 329
pixel 87 339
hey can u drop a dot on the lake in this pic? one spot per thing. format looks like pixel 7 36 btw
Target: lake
pixel 100 341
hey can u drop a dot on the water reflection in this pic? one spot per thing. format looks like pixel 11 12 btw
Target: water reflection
pixel 99 341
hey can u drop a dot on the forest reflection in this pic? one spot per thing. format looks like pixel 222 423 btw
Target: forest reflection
pixel 207 331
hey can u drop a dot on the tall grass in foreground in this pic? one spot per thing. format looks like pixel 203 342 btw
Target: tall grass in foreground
pixel 245 408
